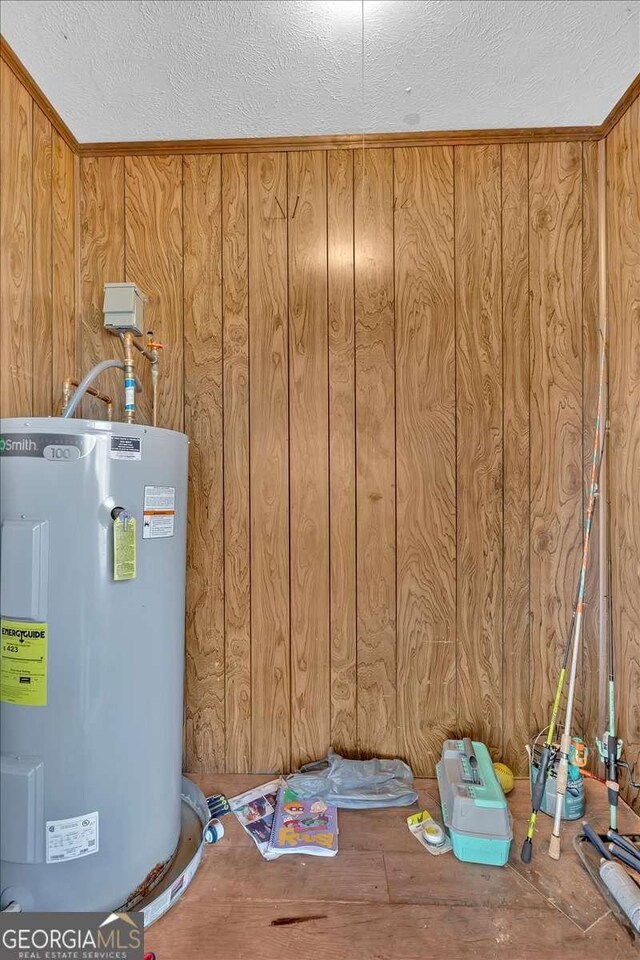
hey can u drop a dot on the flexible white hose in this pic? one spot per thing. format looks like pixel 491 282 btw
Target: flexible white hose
pixel 86 381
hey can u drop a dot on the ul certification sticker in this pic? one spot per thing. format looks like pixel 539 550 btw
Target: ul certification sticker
pixel 73 838
pixel 23 663
pixel 159 512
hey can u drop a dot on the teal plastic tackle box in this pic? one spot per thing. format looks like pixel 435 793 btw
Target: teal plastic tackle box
pixel 474 808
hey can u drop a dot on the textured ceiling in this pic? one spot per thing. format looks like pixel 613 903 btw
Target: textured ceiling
pixel 173 69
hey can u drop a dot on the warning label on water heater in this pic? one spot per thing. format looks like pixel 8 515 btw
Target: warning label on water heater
pixel 125 448
pixel 159 512
pixel 73 838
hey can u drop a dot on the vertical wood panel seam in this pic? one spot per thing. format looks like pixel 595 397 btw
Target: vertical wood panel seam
pixel 77 245
pixel 580 699
pixel 31 258
pixel 502 451
pixel 529 630
pixel 124 215
pixel 329 639
pixel 52 402
pixel 222 459
pixel 184 420
pixel 182 162
pixel 182 272
pixel 355 375
pixel 581 653
pixel 355 437
pixel 395 440
pixel 454 157
pixel 222 449
pixel 286 340
pixel 30 266
pixel 502 391
pixel 31 270
pixel 249 484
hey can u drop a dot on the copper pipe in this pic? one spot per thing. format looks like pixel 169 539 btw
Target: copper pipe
pixel 143 350
pixel 70 382
pixel 151 352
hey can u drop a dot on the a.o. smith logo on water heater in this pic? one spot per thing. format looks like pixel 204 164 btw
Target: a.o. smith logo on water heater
pixel 17 444
pixel 57 447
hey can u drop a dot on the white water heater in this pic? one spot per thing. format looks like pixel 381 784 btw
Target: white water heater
pixel 92 606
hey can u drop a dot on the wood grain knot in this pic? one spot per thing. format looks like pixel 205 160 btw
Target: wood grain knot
pixel 543 219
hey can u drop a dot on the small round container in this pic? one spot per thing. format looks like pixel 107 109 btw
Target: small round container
pixel 433 833
pixel 213 832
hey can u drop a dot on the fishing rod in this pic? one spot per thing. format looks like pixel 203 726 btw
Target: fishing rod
pixel 565 742
pixel 609 747
pixel 548 754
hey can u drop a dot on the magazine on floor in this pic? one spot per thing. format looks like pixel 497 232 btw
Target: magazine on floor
pixel 303 826
pixel 255 809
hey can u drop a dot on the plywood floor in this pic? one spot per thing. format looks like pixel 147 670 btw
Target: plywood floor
pixel 384 898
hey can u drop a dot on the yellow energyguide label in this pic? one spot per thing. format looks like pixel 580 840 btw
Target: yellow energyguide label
pixel 23 663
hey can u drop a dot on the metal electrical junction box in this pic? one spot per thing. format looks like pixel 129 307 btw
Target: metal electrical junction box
pixel 123 306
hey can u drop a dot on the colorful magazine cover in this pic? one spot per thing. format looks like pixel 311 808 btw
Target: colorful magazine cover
pixel 303 826
pixel 255 809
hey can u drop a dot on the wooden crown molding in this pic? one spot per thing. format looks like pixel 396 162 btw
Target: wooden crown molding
pixel 621 107
pixel 20 71
pixel 347 141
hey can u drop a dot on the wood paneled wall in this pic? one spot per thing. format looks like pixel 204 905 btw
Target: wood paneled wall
pixel 386 364
pixel 623 216
pixel 379 358
pixel 38 281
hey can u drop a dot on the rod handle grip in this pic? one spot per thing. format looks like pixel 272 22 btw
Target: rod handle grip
pixel 540 782
pixel 526 852
pixel 554 847
pixel 594 839
pixel 562 778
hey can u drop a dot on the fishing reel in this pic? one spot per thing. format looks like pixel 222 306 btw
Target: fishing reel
pixel 604 745
pixel 610 751
pixel 578 753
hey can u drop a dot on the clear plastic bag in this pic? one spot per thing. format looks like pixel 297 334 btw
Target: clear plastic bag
pixel 356 784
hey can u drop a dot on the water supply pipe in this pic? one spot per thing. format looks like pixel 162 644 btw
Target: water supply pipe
pixel 150 353
pixel 86 382
pixel 91 391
